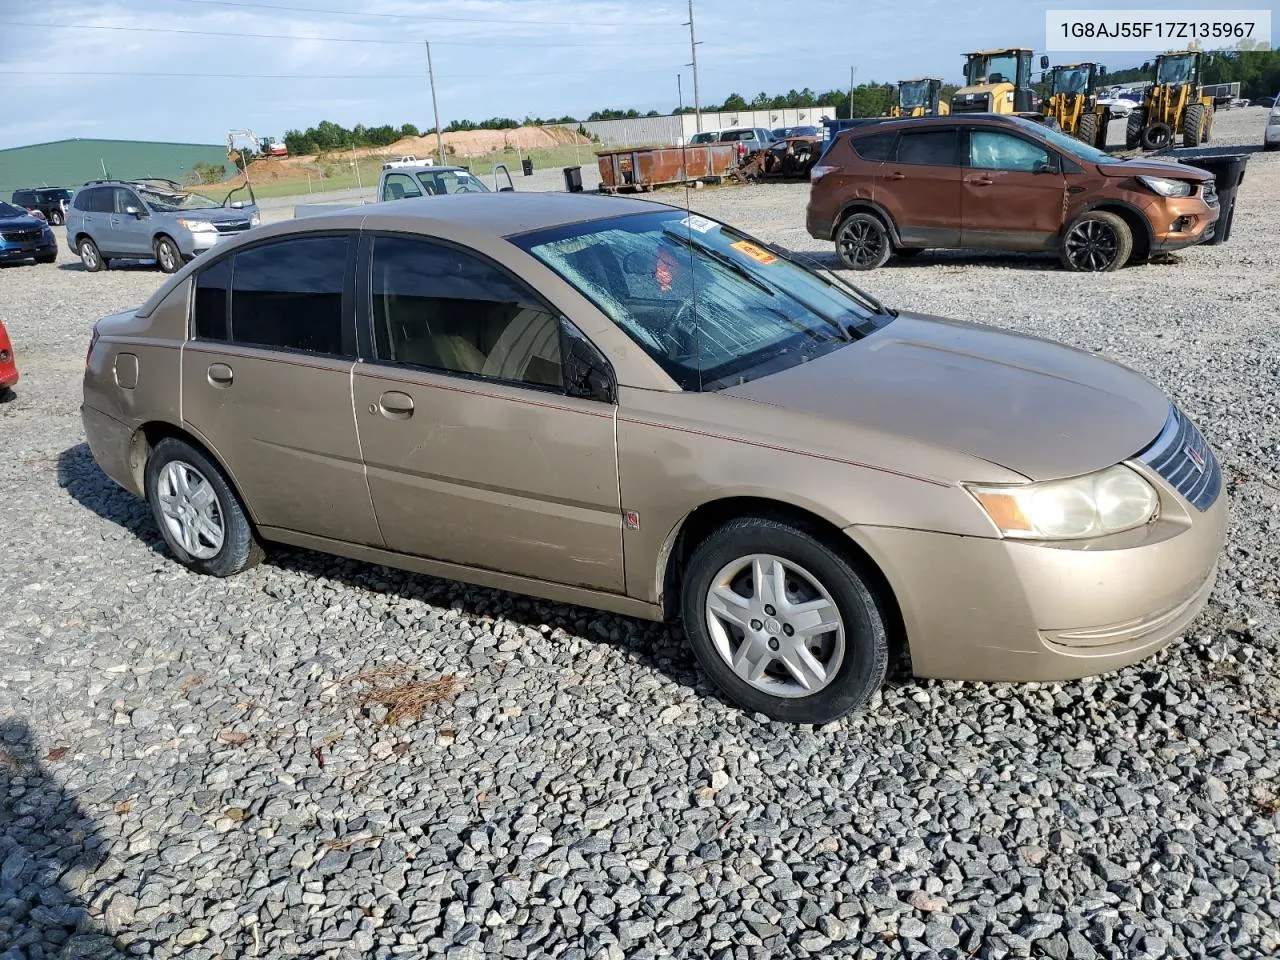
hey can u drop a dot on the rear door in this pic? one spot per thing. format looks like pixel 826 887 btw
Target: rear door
pixel 475 453
pixel 1014 195
pixel 920 187
pixel 266 382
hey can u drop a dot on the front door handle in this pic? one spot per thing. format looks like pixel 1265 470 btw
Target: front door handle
pixel 896 175
pixel 395 405
pixel 220 375
pixel 981 181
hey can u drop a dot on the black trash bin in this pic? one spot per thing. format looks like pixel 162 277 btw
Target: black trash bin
pixel 1227 166
pixel 527 165
pixel 573 179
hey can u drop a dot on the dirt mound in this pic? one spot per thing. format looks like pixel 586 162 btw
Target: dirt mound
pixel 474 143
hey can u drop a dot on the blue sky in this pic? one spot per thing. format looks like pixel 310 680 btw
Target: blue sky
pixel 492 57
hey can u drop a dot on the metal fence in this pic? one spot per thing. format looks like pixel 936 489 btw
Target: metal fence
pixel 669 129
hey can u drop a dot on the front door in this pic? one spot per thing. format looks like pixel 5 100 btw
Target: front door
pixel 1014 195
pixel 920 187
pixel 266 381
pixel 474 453
pixel 130 233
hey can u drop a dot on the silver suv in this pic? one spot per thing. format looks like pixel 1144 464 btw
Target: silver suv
pixel 151 219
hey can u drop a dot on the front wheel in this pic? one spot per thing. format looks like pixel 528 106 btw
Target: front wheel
pixel 198 513
pixel 782 623
pixel 862 242
pixel 1193 125
pixel 1097 243
pixel 168 255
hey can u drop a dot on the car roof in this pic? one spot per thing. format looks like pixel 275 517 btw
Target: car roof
pixel 425 167
pixel 498 214
pixel 901 123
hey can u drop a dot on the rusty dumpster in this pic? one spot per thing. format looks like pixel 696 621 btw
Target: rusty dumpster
pixel 643 168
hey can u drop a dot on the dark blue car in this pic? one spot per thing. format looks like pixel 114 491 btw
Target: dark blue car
pixel 24 237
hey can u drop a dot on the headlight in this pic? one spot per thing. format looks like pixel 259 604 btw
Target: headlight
pixel 255 218
pixel 198 226
pixel 1094 505
pixel 1167 187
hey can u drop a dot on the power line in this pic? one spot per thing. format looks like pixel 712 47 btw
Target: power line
pixel 289 36
pixel 321 76
pixel 630 25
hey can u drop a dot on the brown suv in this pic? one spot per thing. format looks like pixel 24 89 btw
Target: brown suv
pixel 1000 183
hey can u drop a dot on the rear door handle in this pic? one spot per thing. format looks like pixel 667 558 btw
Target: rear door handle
pixel 395 405
pixel 896 176
pixel 220 375
pixel 981 181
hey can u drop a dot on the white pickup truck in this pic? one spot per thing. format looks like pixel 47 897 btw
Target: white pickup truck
pixel 423 180
pixel 409 161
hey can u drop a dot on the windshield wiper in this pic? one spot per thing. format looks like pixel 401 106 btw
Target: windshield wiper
pixel 833 279
pixel 723 260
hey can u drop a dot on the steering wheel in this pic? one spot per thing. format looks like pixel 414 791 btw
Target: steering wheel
pixel 680 320
pixel 462 188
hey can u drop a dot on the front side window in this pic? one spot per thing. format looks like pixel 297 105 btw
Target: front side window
pixel 288 295
pixel 913 93
pixel 934 147
pixel 1176 70
pixel 989 150
pixel 1067 144
pixel 709 305
pixel 450 181
pixel 124 199
pixel 398 186
pixel 439 307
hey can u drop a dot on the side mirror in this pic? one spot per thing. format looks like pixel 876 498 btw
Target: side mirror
pixel 1044 63
pixel 134 212
pixel 587 374
pixel 237 204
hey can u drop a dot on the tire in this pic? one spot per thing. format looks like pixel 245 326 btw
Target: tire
pixel 1087 131
pixel 1157 136
pixel 56 218
pixel 906 253
pixel 90 255
pixel 847 662
pixel 1193 125
pixel 1097 242
pixel 1133 129
pixel 862 242
pixel 192 543
pixel 1208 126
pixel 168 256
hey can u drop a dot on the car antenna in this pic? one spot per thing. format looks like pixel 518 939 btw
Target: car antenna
pixel 688 225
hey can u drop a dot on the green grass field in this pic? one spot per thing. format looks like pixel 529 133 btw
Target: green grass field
pixel 333 173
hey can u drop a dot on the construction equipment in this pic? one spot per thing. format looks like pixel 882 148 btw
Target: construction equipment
pixel 996 81
pixel 1073 102
pixel 1175 104
pixel 246 145
pixel 920 98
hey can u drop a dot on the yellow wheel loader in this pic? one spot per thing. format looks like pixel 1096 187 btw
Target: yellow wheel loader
pixel 996 81
pixel 1073 102
pixel 919 98
pixel 1175 104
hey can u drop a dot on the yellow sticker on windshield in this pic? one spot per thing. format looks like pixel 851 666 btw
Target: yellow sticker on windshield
pixel 758 254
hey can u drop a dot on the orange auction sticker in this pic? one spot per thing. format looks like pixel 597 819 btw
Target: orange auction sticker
pixel 749 249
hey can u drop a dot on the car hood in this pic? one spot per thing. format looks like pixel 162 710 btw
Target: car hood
pixel 1154 168
pixel 1038 408
pixel 24 222
pixel 221 215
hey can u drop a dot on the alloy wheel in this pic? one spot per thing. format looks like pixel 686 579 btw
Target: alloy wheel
pixel 190 509
pixel 775 625
pixel 165 255
pixel 861 243
pixel 89 254
pixel 1092 245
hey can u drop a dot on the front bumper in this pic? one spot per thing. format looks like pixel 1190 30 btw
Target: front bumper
pixel 1009 610
pixel 1179 222
pixel 1272 135
pixel 20 251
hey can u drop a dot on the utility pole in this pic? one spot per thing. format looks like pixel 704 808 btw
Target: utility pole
pixel 435 110
pixel 693 45
pixel 852 71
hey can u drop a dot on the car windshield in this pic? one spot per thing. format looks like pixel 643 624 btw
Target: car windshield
pixel 1175 70
pixel 9 210
pixel 983 69
pixel 1071 80
pixel 710 306
pixel 174 201
pixel 450 181
pixel 912 94
pixel 1065 143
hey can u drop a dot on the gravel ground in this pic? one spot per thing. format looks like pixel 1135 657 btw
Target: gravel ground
pixel 187 766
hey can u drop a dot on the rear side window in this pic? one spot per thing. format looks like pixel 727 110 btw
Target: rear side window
pixel 212 286
pixel 934 147
pixel 23 197
pixel 875 146
pixel 96 200
pixel 288 295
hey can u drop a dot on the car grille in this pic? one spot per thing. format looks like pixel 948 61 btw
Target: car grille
pixel 22 236
pixel 234 226
pixel 1210 194
pixel 981 103
pixel 1182 457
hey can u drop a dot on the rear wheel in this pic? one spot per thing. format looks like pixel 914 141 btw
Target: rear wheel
pixel 862 242
pixel 168 255
pixel 1133 129
pixel 199 515
pixel 56 218
pixel 1098 242
pixel 1193 125
pixel 1088 129
pixel 782 623
pixel 90 255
